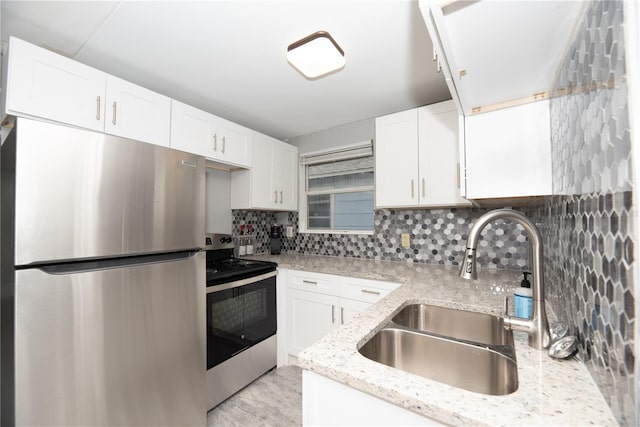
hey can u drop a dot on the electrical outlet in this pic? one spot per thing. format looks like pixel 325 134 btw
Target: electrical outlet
pixel 406 242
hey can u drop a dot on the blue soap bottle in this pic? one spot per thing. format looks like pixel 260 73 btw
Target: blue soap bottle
pixel 523 298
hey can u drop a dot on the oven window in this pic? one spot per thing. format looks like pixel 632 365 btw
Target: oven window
pixel 239 318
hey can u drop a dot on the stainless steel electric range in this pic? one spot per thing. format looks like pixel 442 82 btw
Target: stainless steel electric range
pixel 241 319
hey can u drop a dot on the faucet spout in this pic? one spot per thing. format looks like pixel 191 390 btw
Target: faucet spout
pixel 538 326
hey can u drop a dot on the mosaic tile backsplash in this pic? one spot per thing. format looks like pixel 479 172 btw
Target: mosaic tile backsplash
pixel 587 225
pixel 438 236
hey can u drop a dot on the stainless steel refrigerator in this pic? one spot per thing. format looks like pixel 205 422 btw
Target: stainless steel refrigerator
pixel 102 313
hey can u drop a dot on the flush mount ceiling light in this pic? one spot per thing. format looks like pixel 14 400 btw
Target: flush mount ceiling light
pixel 316 55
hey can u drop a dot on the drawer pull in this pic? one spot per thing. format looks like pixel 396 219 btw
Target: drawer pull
pixel 367 291
pixel 342 315
pixel 98 107
pixel 333 313
pixel 309 282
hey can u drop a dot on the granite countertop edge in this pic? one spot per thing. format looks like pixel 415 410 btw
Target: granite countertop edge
pixel 549 391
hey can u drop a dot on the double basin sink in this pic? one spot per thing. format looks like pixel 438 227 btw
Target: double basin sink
pixel 464 349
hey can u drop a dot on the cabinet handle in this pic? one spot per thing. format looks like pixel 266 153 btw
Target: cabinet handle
pixel 275 196
pixel 439 67
pixel 280 196
pixel 435 54
pixel 342 315
pixel 423 188
pixel 215 142
pixel 458 174
pixel 309 282
pixel 224 143
pixel 98 107
pixel 113 109
pixel 367 291
pixel 333 313
pixel 412 192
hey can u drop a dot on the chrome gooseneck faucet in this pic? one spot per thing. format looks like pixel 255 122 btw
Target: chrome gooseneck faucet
pixel 537 327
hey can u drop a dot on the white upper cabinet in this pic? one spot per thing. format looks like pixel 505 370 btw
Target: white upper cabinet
pixel 496 54
pixel 202 133
pixel 271 183
pixel 137 113
pixel 44 84
pixel 234 143
pixel 439 154
pixel 508 152
pixel 396 159
pixel 417 158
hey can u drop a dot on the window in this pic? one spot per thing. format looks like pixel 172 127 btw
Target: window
pixel 338 190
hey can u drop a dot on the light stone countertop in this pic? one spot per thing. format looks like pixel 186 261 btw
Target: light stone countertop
pixel 550 392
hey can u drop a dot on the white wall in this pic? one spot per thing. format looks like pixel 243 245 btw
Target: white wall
pixel 350 133
pixel 218 202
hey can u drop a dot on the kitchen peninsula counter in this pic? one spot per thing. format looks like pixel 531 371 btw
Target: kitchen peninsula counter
pixel 550 392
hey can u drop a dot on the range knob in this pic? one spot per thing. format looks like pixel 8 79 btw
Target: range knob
pixel 226 240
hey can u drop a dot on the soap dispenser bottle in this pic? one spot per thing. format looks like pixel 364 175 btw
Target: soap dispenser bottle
pixel 523 298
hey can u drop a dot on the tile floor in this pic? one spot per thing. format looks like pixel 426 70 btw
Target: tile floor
pixel 273 400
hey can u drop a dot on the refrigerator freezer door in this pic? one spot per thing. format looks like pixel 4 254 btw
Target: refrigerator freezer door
pixel 112 347
pixel 81 194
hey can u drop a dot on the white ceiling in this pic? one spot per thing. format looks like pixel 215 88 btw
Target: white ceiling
pixel 228 57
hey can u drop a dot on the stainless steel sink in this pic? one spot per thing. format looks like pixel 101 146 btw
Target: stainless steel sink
pixel 461 324
pixel 460 348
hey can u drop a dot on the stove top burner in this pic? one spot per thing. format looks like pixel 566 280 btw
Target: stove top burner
pixel 228 270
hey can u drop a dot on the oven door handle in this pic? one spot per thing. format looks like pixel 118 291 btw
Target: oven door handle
pixel 239 283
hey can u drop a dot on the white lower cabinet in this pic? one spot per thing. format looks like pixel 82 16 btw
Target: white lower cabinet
pixel 319 303
pixel 311 316
pixel 329 403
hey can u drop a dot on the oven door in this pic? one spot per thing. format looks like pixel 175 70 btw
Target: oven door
pixel 239 315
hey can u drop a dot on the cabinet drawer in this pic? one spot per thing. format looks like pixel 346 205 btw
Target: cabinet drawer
pixel 366 290
pixel 315 282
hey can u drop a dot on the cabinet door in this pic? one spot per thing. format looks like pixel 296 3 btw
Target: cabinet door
pixel 508 152
pixel 310 316
pixel 234 143
pixel 285 175
pixel 137 113
pixel 192 130
pixel 349 308
pixel 396 159
pixel 439 156
pixel 44 84
pixel 263 194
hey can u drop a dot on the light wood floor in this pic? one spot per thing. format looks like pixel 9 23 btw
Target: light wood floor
pixel 273 400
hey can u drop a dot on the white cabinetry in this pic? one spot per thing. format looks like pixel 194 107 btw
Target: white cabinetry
pixel 46 85
pixel 137 113
pixel 319 303
pixel 271 183
pixel 202 133
pixel 417 158
pixel 326 402
pixel 508 152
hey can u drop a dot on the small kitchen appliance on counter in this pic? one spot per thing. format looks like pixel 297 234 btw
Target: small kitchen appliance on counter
pixel 241 319
pixel 275 239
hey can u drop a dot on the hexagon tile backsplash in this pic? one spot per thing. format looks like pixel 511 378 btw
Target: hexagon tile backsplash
pixel 587 224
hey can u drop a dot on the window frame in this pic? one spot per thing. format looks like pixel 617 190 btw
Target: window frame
pixel 303 193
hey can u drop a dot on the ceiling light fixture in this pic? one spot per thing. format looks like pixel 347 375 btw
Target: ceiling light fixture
pixel 316 55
